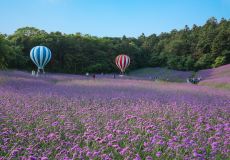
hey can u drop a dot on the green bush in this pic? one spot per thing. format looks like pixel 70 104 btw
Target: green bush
pixel 220 60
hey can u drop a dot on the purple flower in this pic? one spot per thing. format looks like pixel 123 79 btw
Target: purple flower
pixel 14 152
pixel 110 136
pixel 195 154
pixel 158 154
pixel 214 145
pixel 55 123
pixel 32 158
pixel 137 157
pixel 124 151
pixel 148 158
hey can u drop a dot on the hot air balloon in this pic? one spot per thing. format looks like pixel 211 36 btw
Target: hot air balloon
pixel 122 61
pixel 40 55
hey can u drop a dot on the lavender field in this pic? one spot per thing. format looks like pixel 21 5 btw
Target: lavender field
pixel 74 117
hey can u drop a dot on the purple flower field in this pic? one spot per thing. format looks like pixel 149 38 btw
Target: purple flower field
pixel 73 117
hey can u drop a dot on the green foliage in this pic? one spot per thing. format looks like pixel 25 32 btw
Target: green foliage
pixel 189 63
pixel 220 60
pixel 205 61
pixel 95 68
pixel 226 54
pixel 155 60
pixel 6 51
pixel 187 49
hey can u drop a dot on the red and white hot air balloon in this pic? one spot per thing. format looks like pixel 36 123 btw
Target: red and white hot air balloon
pixel 122 61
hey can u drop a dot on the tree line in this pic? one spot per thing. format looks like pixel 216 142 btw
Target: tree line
pixel 195 48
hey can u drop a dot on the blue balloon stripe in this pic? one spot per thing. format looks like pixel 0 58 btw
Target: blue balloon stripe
pixel 47 56
pixel 34 57
pixel 31 55
pixel 44 56
pixel 38 57
pixel 41 56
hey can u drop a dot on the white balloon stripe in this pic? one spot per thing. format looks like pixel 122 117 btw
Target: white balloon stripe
pixel 36 56
pixel 41 57
pixel 127 61
pixel 119 63
pixel 123 62
pixel 48 53
pixel 47 57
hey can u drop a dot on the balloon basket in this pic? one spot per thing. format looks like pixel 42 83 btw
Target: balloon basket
pixel 39 73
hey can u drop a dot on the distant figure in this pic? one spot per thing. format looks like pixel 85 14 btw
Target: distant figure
pixel 114 76
pixel 188 80
pixel 94 76
pixel 199 78
pixel 33 73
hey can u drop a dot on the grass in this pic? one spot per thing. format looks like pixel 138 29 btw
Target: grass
pixel 2 80
pixel 162 74
pixel 225 86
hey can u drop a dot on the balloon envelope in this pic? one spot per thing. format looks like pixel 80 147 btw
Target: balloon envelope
pixel 122 61
pixel 40 55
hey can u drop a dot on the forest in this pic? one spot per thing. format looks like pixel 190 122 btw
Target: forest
pixel 194 48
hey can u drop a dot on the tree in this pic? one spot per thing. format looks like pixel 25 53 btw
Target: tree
pixel 6 51
pixel 186 49
pixel 204 62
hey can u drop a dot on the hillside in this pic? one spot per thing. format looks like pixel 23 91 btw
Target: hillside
pixel 162 74
pixel 217 77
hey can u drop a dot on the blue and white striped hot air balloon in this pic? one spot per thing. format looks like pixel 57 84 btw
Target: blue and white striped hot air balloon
pixel 40 55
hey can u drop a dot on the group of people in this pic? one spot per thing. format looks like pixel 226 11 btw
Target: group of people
pixel 194 80
pixel 93 75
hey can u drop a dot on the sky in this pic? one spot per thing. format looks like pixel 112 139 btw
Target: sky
pixel 113 18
